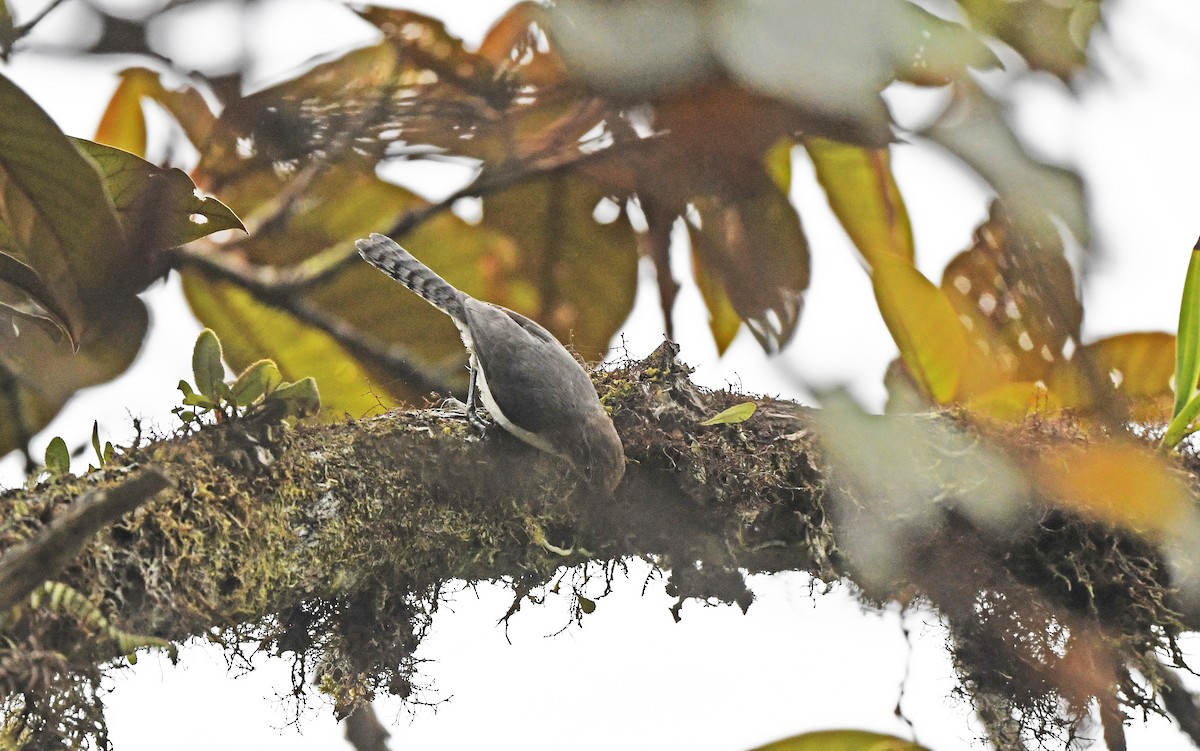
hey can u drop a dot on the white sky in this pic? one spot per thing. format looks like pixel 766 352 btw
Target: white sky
pixel 630 676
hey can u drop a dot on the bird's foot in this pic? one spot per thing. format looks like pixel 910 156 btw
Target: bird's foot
pixel 477 423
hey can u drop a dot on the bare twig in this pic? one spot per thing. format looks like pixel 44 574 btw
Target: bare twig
pixel 27 27
pixel 1181 704
pixel 24 567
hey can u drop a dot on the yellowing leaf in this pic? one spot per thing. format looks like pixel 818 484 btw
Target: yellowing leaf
pixel 251 330
pixel 736 413
pixel 864 196
pixel 1013 402
pixel 723 321
pixel 1137 366
pixel 924 326
pixel 1119 484
pixel 842 740
pixel 123 124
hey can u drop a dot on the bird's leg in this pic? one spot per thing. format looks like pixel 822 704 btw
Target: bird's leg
pixel 472 409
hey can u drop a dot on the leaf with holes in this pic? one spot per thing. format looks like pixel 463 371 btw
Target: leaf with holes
pixel 1135 367
pixel 754 248
pixel 1017 302
pixel 158 208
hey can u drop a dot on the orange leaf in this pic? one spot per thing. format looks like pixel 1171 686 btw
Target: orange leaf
pixel 1138 366
pixel 1118 484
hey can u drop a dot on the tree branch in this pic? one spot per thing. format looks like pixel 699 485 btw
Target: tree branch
pixel 330 543
pixel 27 565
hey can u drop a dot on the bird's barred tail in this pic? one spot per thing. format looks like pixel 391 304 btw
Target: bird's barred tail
pixel 386 255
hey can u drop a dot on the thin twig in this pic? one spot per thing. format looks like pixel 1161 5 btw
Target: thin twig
pixel 27 27
pixel 395 358
pixel 1180 703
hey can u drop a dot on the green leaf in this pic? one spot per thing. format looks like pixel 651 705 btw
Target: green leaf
pixel 585 605
pixel 300 397
pixel 186 388
pixel 260 378
pixel 931 340
pixel 863 194
pixel 58 458
pixel 13 271
pixel 44 371
pixel 8 31
pixel 96 443
pixel 158 208
pixel 1181 425
pixel 735 414
pixel 206 363
pixel 200 400
pixel 224 393
pixel 842 740
pixel 57 217
pixel 1187 343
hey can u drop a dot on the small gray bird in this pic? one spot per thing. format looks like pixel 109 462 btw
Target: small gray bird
pixel 529 382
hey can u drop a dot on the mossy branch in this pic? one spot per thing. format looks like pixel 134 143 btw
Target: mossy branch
pixel 332 542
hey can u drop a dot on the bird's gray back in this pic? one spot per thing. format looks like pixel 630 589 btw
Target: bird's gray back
pixel 545 386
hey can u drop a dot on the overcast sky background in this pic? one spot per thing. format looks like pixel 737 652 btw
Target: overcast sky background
pixel 630 676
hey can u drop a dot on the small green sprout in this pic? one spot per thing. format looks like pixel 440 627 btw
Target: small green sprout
pixel 258 387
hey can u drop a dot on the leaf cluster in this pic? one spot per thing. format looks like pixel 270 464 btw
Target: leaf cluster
pixel 259 389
